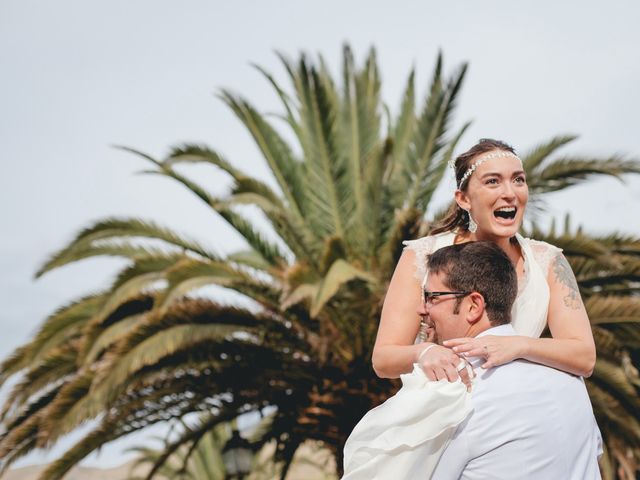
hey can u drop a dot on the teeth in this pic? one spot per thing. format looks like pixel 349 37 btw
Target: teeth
pixel 507 209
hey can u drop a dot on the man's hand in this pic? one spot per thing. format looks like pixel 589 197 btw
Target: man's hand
pixel 441 363
pixel 496 350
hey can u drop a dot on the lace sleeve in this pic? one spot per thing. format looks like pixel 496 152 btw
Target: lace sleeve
pixel 421 247
pixel 544 253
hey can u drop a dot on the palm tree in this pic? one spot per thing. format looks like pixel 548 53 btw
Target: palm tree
pixel 204 459
pixel 202 462
pixel 149 348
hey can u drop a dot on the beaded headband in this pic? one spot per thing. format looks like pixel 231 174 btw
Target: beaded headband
pixel 484 158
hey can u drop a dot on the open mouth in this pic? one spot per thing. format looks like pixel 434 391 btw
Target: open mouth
pixel 507 213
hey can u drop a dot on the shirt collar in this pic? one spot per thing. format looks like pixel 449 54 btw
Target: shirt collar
pixel 501 330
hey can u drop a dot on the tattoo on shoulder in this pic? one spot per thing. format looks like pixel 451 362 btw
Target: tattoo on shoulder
pixel 565 276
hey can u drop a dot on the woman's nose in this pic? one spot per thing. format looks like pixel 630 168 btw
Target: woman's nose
pixel 507 190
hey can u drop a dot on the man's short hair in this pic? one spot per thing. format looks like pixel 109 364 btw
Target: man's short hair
pixel 481 267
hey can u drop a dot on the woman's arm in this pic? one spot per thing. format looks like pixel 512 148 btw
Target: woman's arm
pixel 394 352
pixel 571 349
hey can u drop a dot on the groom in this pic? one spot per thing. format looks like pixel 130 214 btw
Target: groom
pixel 528 421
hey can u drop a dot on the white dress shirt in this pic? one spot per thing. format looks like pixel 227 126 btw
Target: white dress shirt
pixel 528 421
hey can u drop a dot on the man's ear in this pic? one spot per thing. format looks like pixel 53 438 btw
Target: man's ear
pixel 462 200
pixel 475 308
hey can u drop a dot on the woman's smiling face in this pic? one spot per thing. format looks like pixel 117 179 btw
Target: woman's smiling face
pixel 496 194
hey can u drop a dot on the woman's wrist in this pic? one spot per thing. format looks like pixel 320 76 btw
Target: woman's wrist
pixel 424 351
pixel 525 347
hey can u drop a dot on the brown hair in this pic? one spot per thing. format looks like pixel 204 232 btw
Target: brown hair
pixel 456 217
pixel 481 267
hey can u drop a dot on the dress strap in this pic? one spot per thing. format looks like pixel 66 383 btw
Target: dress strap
pixel 529 312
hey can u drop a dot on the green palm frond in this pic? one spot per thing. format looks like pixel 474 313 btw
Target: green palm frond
pixel 50 370
pixel 613 415
pixel 621 243
pixel 340 273
pixel 210 430
pixel 110 335
pixel 135 307
pixel 150 351
pixel 297 238
pixel 534 158
pixel 325 168
pixel 618 383
pixel 51 425
pixel 248 258
pixel 191 153
pixel 268 250
pixel 435 174
pixel 629 336
pixel 60 328
pixel 121 228
pixel 190 274
pixel 405 127
pixel 430 136
pixel 24 419
pixel 19 451
pixel 97 437
pixel 565 172
pixel 286 100
pixel 282 163
pixel 255 239
pixel 359 136
pixel 376 210
pixel 407 224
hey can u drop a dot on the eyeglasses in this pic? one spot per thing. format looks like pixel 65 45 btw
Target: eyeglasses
pixel 427 296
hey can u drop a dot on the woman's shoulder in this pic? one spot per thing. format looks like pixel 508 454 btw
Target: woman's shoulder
pixel 421 247
pixel 419 244
pixel 542 246
pixel 430 243
pixel 543 252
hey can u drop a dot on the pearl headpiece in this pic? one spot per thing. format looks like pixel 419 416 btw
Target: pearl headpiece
pixel 481 160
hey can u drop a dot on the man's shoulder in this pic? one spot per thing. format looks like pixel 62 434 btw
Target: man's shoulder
pixel 522 365
pixel 524 376
pixel 525 394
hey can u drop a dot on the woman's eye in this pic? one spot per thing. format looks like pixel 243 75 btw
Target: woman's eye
pixel 520 180
pixel 491 181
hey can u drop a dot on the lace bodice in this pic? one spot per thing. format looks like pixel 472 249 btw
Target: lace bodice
pixel 529 313
pixel 543 252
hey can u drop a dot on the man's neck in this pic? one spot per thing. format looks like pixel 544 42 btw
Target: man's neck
pixel 478 327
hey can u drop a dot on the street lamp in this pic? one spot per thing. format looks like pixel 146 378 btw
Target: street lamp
pixel 237 456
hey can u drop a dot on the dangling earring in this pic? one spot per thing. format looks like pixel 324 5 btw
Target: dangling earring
pixel 473 226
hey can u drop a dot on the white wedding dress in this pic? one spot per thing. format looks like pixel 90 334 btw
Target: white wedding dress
pixel 405 436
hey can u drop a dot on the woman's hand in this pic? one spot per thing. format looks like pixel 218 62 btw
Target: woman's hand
pixel 496 350
pixel 440 363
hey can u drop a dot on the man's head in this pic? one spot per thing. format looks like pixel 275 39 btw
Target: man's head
pixel 470 287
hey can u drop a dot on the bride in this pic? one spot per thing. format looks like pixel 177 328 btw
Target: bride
pixel 491 198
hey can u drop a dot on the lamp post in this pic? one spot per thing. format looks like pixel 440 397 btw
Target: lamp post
pixel 237 456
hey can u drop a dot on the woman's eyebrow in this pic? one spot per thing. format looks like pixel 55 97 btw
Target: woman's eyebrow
pixel 491 174
pixel 498 174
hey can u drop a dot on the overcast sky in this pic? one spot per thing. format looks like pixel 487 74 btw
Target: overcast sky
pixel 80 76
